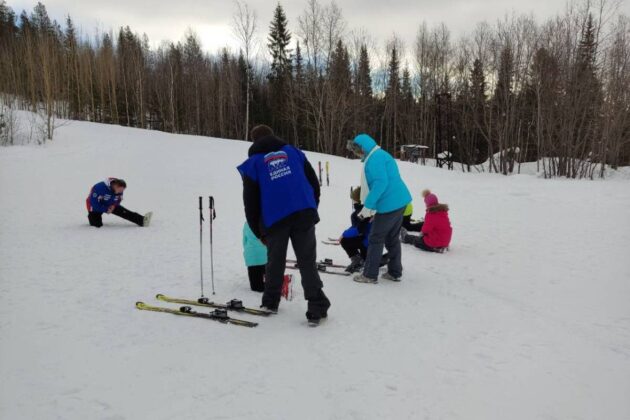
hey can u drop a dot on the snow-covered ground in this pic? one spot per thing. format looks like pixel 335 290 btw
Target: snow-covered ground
pixel 527 317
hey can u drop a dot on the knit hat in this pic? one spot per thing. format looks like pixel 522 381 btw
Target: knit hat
pixel 430 200
pixel 261 131
pixel 355 194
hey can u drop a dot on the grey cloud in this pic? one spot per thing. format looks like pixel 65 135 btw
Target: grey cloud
pixel 168 19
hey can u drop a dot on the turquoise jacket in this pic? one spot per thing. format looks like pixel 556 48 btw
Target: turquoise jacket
pixel 254 251
pixel 388 192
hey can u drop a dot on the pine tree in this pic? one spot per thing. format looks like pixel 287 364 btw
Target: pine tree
pixel 363 81
pixel 503 90
pixel 280 76
pixel 339 73
pixel 407 105
pixel 193 67
pixel 279 39
pixel 40 19
pixel 298 91
pixel 7 22
pixel 338 106
pixel 363 108
pixel 503 107
pixel 389 126
pixel 406 90
pixel 298 66
pixel 478 82
pixel 478 105
pixel 584 101
pixel 72 69
pixel 393 73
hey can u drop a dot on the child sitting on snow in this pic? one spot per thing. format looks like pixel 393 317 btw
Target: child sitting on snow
pixel 354 240
pixel 255 253
pixel 436 230
pixel 409 224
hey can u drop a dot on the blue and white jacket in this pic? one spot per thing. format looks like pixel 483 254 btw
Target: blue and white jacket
pixel 102 197
pixel 386 191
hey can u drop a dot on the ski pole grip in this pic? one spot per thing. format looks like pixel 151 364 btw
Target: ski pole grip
pixel 200 202
pixel 213 212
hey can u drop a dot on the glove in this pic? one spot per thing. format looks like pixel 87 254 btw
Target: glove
pixel 366 213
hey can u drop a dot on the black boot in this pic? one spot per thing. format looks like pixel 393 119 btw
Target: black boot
pixel 356 264
pixel 317 309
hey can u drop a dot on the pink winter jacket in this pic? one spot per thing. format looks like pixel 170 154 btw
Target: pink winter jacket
pixel 437 228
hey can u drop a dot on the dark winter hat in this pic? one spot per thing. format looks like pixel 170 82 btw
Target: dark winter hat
pixel 119 181
pixel 261 131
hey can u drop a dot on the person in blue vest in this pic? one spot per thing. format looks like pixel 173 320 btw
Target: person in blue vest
pixel 384 196
pixel 105 197
pixel 281 195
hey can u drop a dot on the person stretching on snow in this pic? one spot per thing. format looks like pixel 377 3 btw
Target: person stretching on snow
pixel 384 196
pixel 280 196
pixel 105 197
pixel 436 230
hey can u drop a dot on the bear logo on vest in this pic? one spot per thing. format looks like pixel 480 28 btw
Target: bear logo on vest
pixel 277 163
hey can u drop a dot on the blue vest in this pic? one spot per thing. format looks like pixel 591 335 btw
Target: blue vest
pixel 284 189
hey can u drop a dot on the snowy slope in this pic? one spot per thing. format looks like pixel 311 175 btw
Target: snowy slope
pixel 527 317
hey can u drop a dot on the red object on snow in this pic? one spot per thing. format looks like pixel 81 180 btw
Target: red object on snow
pixel 287 287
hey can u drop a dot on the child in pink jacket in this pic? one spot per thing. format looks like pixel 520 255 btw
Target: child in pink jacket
pixel 436 231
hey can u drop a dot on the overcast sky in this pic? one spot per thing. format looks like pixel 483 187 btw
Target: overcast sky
pixel 211 19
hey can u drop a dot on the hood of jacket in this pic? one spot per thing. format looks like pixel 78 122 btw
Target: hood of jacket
pixel 437 208
pixel 266 145
pixel 366 142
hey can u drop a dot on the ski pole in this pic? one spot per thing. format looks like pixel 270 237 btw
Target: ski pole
pixel 327 174
pixel 351 202
pixel 212 213
pixel 201 244
pixel 320 173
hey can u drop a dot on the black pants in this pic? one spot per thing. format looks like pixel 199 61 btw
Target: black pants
pixel 410 226
pixel 96 218
pixel 354 246
pixel 305 248
pixel 418 242
pixel 256 275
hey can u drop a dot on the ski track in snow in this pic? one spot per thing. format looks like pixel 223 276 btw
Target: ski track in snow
pixel 527 317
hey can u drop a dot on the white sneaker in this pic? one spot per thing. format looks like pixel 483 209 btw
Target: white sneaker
pixel 360 278
pixel 147 219
pixel 388 276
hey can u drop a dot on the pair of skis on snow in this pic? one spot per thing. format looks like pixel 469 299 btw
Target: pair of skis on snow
pixel 219 313
pixel 324 266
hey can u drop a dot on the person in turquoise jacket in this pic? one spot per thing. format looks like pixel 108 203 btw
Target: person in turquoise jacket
pixel 385 197
pixel 255 254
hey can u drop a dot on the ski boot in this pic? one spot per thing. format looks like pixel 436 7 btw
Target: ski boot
pixel 356 264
